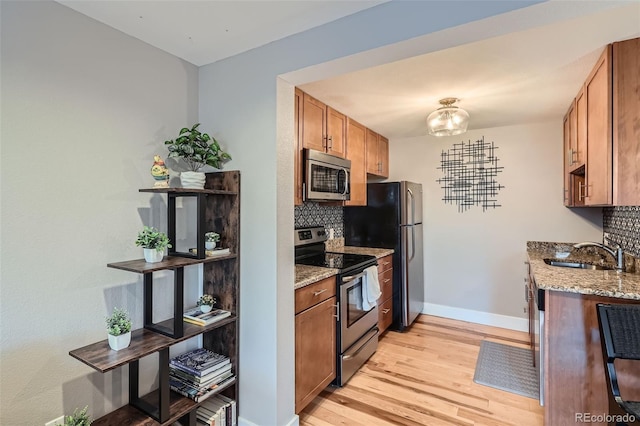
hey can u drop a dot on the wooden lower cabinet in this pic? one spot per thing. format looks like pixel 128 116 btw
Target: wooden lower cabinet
pixel 315 341
pixel 575 380
pixel 385 302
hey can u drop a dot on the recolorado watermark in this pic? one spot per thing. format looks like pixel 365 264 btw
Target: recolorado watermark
pixel 604 418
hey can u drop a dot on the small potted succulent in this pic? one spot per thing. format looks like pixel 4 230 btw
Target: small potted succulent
pixel 210 240
pixel 206 303
pixel 154 243
pixel 78 418
pixel 119 329
pixel 196 150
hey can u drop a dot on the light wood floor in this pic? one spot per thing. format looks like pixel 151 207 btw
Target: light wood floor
pixel 425 377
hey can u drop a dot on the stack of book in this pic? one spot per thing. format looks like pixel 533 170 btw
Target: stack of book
pixel 199 373
pixel 196 316
pixel 218 410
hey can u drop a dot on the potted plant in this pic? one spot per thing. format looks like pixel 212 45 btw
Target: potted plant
pixel 119 329
pixel 210 240
pixel 154 242
pixel 197 150
pixel 206 302
pixel 78 418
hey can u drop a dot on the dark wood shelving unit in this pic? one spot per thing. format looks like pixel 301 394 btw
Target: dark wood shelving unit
pixel 218 209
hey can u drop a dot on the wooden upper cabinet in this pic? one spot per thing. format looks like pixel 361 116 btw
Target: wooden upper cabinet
pixel 598 171
pixel 356 146
pixel 372 152
pixel 626 131
pixel 323 128
pixel 383 156
pixel 336 133
pixel 566 123
pixel 377 154
pixel 314 123
pixel 297 154
pixel 580 148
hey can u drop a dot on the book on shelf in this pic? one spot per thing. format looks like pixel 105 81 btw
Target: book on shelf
pixel 213 252
pixel 187 385
pixel 190 380
pixel 199 380
pixel 218 410
pixel 196 316
pixel 198 395
pixel 199 362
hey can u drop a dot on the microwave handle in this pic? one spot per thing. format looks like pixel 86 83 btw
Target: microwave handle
pixel 346 181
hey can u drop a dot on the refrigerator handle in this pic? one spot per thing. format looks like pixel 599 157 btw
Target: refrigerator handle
pixel 413 207
pixel 413 242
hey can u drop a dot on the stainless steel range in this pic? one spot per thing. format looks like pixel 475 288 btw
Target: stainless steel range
pixel 357 328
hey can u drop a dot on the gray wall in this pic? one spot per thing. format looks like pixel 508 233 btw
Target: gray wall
pixel 84 109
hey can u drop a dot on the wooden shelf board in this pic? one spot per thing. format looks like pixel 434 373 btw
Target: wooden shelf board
pixel 140 266
pixel 100 357
pixel 188 191
pixel 131 416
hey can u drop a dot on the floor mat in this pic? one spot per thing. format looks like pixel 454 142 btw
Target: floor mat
pixel 508 368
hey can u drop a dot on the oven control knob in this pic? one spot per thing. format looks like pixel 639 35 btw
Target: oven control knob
pixel 321 233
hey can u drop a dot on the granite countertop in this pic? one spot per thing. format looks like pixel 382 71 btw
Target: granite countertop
pixel 306 275
pixel 608 283
pixel 377 252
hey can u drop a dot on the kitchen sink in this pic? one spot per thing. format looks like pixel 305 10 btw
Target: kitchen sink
pixel 573 264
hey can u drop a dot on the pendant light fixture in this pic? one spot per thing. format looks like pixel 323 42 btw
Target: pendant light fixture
pixel 448 120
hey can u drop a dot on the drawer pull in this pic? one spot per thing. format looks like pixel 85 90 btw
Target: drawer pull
pixel 385 311
pixel 319 292
pixel 387 280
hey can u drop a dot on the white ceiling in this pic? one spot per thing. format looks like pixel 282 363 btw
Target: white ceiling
pixel 517 78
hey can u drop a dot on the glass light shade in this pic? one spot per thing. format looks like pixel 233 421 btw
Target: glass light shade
pixel 448 120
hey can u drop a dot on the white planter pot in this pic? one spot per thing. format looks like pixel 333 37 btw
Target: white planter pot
pixel 209 245
pixel 205 308
pixel 119 342
pixel 153 255
pixel 193 180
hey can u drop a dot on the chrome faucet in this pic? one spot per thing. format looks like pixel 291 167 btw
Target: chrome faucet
pixel 616 252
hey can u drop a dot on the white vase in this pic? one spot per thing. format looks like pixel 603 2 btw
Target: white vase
pixel 205 308
pixel 209 245
pixel 192 180
pixel 119 342
pixel 153 255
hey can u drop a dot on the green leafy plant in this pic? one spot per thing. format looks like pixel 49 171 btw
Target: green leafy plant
pixel 118 322
pixel 78 418
pixel 206 299
pixel 151 238
pixel 212 237
pixel 197 149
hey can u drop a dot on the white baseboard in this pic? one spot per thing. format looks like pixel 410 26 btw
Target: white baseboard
pixel 485 318
pixel 295 421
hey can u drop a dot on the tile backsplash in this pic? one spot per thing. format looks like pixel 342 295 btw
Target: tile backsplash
pixel 314 214
pixel 621 225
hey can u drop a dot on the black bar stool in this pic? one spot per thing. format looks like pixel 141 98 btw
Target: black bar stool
pixel 620 337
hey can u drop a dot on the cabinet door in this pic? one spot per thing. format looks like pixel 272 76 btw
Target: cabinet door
pixel 581 130
pixel 314 122
pixel 372 152
pixel 598 172
pixel 568 195
pixel 383 155
pixel 336 133
pixel 573 137
pixel 356 134
pixel 315 351
pixel 298 161
pixel 626 131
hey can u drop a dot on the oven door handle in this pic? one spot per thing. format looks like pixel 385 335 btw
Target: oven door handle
pixel 349 278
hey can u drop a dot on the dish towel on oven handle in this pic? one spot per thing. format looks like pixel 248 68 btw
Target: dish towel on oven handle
pixel 371 288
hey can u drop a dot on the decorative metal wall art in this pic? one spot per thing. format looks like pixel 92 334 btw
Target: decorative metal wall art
pixel 469 172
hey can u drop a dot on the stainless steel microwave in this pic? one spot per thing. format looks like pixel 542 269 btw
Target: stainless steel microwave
pixel 326 177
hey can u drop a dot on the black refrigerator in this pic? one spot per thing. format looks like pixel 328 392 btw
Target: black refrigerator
pixel 393 219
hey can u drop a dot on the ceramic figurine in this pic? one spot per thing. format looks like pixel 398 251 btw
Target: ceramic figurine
pixel 160 173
